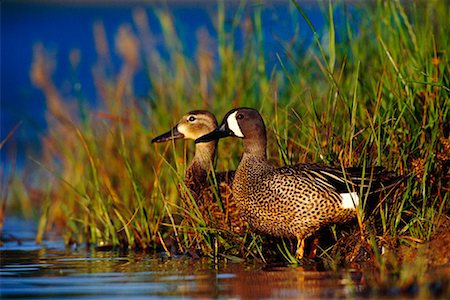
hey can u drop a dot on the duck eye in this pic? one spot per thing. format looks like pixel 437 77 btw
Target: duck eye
pixel 191 119
pixel 239 116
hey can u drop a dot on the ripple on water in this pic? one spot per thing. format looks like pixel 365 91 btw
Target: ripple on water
pixel 52 271
pixel 64 273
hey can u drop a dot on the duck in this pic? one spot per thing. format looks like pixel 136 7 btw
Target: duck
pixel 200 179
pixel 289 201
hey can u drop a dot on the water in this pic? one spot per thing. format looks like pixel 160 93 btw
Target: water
pixel 53 271
pixel 59 273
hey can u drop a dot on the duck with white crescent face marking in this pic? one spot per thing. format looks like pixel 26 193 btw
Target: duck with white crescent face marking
pixel 291 201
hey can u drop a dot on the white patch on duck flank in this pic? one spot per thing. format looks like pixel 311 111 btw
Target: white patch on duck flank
pixel 233 125
pixel 349 200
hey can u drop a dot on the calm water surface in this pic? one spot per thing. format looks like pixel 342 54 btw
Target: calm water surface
pixel 54 271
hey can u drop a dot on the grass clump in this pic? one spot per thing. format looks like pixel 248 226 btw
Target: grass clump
pixel 373 90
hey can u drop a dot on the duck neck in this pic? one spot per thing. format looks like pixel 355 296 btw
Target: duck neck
pixel 255 148
pixel 204 156
pixel 252 167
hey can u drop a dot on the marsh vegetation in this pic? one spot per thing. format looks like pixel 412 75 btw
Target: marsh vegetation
pixel 373 92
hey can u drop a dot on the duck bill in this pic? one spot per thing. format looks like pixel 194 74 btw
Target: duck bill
pixel 216 134
pixel 173 134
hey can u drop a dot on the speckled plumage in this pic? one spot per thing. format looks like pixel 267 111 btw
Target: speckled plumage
pixel 199 177
pixel 291 201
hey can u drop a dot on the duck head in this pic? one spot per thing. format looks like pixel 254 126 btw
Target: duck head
pixel 245 123
pixel 191 126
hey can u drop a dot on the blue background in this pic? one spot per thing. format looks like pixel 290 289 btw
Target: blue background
pixel 61 28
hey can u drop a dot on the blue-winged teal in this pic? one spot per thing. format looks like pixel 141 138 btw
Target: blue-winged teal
pixel 199 175
pixel 291 201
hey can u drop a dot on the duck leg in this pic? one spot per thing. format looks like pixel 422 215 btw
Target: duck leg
pixel 300 248
pixel 314 245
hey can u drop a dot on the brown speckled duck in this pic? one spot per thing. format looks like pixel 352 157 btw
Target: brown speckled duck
pixel 199 177
pixel 291 201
